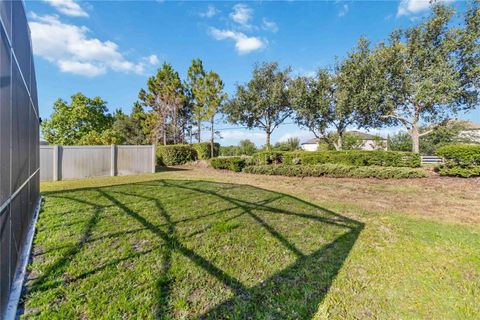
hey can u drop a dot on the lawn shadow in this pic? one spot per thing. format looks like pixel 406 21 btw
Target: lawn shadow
pixel 293 292
pixel 297 290
pixel 170 169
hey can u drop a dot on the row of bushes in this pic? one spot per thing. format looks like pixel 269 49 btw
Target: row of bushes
pixel 337 170
pixel 176 154
pixel 462 160
pixel 459 171
pixel 346 157
pixel 236 164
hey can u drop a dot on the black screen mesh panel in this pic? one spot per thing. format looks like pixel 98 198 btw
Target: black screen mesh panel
pixel 5 117
pixel 6 16
pixel 19 142
pixel 21 39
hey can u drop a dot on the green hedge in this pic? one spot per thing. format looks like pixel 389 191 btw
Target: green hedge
pixel 347 157
pixel 459 171
pixel 268 157
pixel 203 150
pixel 231 163
pixel 175 154
pixel 464 155
pixel 461 160
pixel 337 170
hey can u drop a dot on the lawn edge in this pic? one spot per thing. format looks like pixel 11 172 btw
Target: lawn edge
pixel 21 270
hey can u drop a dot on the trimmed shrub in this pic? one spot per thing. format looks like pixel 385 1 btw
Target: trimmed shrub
pixel 459 171
pixel 347 157
pixel 464 155
pixel 231 163
pixel 203 150
pixel 175 154
pixel 461 160
pixel 268 157
pixel 337 170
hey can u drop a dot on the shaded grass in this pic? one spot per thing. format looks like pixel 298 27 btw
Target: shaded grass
pixel 174 249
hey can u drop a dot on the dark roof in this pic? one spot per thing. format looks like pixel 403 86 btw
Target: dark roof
pixel 312 141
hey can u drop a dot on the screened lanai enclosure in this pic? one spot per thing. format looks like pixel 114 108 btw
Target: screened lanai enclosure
pixel 19 149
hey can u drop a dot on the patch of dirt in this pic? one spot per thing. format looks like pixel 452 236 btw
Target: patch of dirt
pixel 444 198
pixel 200 164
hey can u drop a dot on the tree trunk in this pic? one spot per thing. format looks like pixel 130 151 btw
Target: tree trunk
pixel 199 131
pixel 175 124
pixel 212 137
pixel 269 147
pixel 339 143
pixel 164 129
pixel 415 136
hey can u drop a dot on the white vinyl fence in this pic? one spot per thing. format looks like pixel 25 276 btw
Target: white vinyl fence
pixel 73 162
pixel 431 160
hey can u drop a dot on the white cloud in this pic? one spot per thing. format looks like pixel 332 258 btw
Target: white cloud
pixel 68 7
pixel 242 14
pixel 81 68
pixel 343 10
pixel 408 7
pixel 72 50
pixel 211 11
pixel 269 25
pixel 153 59
pixel 243 43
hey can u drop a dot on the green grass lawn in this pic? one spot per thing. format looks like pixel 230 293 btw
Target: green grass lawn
pixel 173 248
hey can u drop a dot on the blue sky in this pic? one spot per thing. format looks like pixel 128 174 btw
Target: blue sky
pixel 110 48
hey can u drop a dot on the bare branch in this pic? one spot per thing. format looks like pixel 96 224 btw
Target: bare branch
pixel 426 132
pixel 404 121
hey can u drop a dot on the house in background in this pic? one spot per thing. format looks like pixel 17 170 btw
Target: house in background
pixel 471 132
pixel 311 145
pixel 368 142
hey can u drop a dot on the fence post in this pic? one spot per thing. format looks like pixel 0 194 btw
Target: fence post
pixel 154 157
pixel 55 156
pixel 113 160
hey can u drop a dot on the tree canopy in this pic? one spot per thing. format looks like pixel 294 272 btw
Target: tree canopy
pixel 134 128
pixel 211 97
pixel 429 71
pixel 264 101
pixel 165 96
pixel 71 123
pixel 196 88
pixel 338 98
pixel 418 78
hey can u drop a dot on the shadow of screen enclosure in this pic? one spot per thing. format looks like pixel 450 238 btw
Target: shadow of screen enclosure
pixel 181 248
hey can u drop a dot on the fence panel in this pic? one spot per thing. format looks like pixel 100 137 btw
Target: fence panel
pixel 431 160
pixel 74 162
pixel 134 159
pixel 46 159
pixel 84 161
